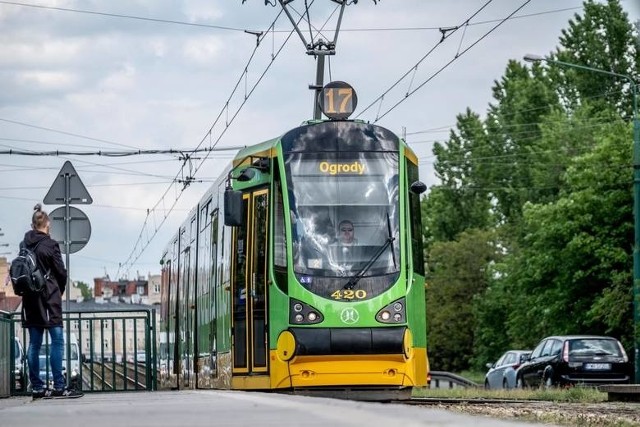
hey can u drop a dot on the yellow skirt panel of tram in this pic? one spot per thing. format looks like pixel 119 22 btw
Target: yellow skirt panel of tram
pixel 393 370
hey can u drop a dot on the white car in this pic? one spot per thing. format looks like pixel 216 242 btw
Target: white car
pixel 502 374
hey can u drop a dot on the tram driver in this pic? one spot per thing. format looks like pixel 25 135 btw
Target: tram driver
pixel 347 233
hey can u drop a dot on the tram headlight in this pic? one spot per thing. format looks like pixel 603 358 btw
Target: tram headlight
pixel 393 313
pixel 301 313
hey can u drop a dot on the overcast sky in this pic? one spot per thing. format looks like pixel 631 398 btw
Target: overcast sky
pixel 121 75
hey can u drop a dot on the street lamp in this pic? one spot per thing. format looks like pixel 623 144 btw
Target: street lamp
pixel 636 196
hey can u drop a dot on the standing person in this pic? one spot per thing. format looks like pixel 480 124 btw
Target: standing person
pixel 43 311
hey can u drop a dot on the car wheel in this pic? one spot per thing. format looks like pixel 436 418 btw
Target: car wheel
pixel 486 385
pixel 520 383
pixel 548 382
pixel 505 384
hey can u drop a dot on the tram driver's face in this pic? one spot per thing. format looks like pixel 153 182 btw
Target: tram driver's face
pixel 346 232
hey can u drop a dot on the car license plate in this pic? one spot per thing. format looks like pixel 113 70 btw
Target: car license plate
pixel 597 366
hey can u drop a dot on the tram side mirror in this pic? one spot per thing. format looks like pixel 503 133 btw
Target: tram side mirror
pixel 418 187
pixel 232 207
pixel 246 175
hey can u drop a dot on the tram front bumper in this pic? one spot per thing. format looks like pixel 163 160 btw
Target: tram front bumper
pixel 317 357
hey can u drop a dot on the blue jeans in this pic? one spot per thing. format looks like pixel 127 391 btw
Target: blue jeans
pixel 56 349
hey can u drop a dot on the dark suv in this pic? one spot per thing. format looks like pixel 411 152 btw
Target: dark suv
pixel 575 359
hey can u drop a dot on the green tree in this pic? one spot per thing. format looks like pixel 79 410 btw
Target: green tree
pixel 457 275
pixel 458 204
pixel 523 97
pixel 575 259
pixel 547 176
pixel 603 38
pixel 87 292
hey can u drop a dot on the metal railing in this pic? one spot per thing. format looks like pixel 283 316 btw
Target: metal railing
pixel 104 351
pixel 6 350
pixel 443 379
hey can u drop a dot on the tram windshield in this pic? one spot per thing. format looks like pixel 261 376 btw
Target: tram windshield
pixel 345 219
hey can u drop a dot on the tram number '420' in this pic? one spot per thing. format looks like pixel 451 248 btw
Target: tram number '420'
pixel 349 294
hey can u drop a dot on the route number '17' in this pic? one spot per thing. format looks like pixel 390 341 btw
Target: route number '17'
pixel 338 100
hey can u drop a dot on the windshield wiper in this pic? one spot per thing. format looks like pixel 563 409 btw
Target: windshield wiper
pixel 360 274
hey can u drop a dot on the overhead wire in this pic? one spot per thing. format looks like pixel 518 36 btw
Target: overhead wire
pixel 511 113
pixel 65 133
pixel 102 153
pixel 455 58
pixel 238 29
pixel 446 33
pixel 139 247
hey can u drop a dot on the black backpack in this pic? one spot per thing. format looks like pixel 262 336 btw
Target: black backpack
pixel 26 276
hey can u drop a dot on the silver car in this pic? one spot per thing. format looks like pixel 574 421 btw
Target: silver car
pixel 502 374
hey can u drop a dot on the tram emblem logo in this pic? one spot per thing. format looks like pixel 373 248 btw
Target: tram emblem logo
pixel 349 316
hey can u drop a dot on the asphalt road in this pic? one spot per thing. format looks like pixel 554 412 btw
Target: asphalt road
pixel 226 408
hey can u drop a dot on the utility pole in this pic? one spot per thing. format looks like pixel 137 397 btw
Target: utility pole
pixel 318 48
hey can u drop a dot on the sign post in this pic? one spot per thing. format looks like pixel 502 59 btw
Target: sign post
pixel 68 189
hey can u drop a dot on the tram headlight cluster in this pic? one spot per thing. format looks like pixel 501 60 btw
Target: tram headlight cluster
pixel 393 313
pixel 303 314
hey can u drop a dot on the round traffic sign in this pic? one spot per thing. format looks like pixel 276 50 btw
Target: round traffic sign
pixel 79 228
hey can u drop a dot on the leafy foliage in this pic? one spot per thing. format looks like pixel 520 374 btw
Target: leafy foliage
pixel 530 232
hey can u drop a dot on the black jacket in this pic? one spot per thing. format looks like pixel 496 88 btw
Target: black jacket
pixel 45 310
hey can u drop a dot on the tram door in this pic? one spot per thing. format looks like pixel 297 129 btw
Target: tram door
pixel 186 304
pixel 250 286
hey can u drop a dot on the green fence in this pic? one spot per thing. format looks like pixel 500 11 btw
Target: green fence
pixel 105 351
pixel 6 361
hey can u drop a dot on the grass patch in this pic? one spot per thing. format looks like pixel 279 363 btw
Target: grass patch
pixel 571 394
pixel 475 376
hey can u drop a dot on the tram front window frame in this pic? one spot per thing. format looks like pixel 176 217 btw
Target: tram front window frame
pixel 327 188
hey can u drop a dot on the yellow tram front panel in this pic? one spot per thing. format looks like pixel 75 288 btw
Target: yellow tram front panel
pixel 390 370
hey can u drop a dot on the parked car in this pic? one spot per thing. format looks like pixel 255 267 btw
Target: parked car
pixel 575 359
pixel 19 373
pixel 502 374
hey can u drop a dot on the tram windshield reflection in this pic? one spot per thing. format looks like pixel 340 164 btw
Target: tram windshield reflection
pixel 338 193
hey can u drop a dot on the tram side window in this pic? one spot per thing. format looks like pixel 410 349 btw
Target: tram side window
pixel 416 221
pixel 279 237
pixel 279 240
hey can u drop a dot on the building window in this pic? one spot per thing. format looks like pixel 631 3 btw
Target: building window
pixel 156 288
pixel 140 290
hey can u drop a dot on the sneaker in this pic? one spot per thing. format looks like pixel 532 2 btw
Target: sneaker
pixel 38 394
pixel 67 393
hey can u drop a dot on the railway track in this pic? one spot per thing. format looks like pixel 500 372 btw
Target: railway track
pixel 115 376
pixel 604 414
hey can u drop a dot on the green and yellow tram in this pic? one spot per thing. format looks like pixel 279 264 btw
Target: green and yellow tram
pixel 301 268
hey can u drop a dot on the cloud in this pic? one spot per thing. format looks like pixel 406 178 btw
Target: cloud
pixel 202 50
pixel 47 80
pixel 147 84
